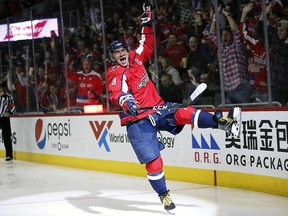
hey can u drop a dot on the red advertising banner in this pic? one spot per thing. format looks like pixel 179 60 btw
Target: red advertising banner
pixel 28 30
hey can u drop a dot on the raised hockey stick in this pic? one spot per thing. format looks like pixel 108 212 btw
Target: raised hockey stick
pixel 198 91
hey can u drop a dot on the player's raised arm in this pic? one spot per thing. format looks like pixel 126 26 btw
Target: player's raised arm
pixel 147 35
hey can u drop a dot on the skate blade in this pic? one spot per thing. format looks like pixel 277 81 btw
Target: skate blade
pixel 8 162
pixel 172 211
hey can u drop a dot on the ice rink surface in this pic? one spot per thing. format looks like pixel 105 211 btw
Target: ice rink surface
pixel 32 189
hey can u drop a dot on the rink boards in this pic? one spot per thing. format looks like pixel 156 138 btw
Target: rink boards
pixel 257 160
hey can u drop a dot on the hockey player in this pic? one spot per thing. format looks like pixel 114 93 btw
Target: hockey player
pixel 130 88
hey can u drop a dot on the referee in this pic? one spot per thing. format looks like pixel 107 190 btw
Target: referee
pixel 7 108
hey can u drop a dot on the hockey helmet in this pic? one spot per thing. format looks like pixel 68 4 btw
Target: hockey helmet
pixel 116 45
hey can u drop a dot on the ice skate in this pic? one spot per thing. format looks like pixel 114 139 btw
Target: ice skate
pixel 231 123
pixel 9 159
pixel 167 202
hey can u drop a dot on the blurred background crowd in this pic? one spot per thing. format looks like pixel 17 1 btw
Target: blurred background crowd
pixel 239 48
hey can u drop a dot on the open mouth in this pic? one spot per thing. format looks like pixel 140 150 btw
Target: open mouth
pixel 123 60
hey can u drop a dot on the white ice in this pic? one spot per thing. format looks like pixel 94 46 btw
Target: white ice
pixel 32 189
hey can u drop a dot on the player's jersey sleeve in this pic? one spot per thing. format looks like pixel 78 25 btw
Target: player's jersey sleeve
pixel 146 44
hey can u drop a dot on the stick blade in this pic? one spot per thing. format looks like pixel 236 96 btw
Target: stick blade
pixel 199 90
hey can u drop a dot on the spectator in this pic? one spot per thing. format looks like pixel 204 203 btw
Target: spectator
pixel 234 61
pixel 168 26
pixel 128 35
pixel 40 84
pixel 97 52
pixel 222 21
pixel 274 13
pixel 256 55
pixel 94 15
pixel 279 63
pixel 195 58
pixel 161 11
pixel 181 32
pixel 170 69
pixel 208 96
pixel 169 92
pixel 174 51
pixel 17 81
pixel 68 90
pixel 185 11
pixel 196 4
pixel 199 24
pixel 48 100
pixel 154 76
pixel 80 50
pixel 89 84
pixel 41 75
pixel 234 7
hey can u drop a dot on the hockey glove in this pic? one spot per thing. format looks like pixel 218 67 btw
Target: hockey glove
pixel 146 17
pixel 128 104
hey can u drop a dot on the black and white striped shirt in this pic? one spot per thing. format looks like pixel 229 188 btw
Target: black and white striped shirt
pixel 7 104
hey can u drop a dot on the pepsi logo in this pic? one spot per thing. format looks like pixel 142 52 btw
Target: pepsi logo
pixel 40 134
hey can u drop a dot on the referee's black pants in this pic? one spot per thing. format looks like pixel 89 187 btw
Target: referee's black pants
pixel 6 135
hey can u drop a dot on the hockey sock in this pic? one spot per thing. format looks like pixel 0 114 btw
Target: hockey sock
pixel 158 182
pixel 156 175
pixel 202 119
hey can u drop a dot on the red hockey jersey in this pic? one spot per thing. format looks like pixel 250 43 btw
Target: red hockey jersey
pixel 257 57
pixel 134 79
pixel 87 83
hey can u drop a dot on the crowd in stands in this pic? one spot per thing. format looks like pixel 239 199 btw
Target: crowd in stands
pixel 187 53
